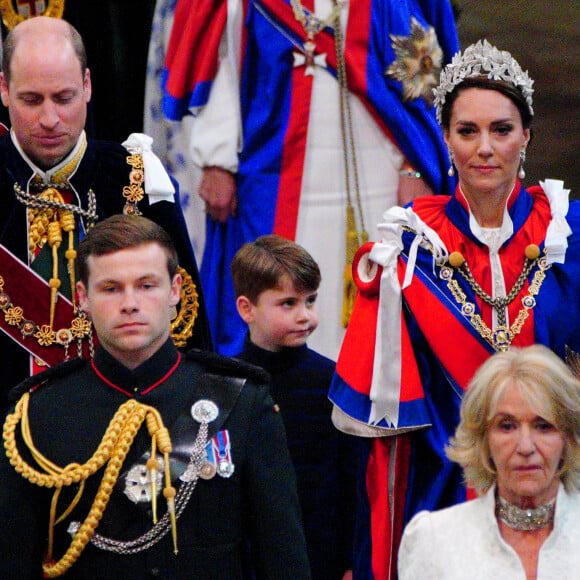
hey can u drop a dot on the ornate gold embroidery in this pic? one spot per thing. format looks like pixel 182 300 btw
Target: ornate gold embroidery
pixel 54 9
pixel 134 192
pixel 44 334
pixel 182 324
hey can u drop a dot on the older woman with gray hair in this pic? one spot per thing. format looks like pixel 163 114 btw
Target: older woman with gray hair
pixel 518 443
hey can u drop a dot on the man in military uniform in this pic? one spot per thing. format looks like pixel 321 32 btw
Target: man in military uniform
pixel 145 461
pixel 55 184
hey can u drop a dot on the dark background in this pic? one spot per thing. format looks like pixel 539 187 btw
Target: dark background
pixel 543 35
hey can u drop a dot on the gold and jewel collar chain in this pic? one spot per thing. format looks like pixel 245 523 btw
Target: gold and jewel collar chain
pixel 134 192
pixel 80 326
pixel 502 337
pixel 525 520
pixel 182 323
pixel 111 453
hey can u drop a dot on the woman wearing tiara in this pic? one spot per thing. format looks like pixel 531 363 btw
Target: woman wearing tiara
pixel 453 280
pixel 518 443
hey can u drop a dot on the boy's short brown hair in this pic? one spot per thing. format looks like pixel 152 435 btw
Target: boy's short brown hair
pixel 260 265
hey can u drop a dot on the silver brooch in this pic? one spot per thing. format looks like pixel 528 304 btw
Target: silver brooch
pixel 204 411
pixel 138 482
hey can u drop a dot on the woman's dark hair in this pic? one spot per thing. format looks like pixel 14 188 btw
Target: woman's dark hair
pixel 503 87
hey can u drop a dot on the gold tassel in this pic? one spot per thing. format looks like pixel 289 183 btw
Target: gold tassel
pixel 352 244
pixel 67 222
pixel 54 240
pixel 152 471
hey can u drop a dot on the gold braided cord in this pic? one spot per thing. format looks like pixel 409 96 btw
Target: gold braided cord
pixel 112 451
pixel 67 223
pixel 47 224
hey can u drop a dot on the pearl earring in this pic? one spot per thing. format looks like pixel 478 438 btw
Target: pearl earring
pixel 451 170
pixel 521 172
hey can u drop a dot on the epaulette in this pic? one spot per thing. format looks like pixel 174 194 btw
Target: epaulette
pixel 34 381
pixel 229 365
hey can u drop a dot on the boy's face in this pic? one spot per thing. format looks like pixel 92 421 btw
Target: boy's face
pixel 282 316
pixel 130 297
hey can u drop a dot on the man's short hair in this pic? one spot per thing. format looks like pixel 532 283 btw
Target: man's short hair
pixel 261 265
pixel 120 232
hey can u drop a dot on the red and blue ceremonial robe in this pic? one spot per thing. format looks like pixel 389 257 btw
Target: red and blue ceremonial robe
pixel 275 109
pixel 414 342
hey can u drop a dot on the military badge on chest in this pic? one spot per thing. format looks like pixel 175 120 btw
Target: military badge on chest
pixel 211 457
pixel 139 482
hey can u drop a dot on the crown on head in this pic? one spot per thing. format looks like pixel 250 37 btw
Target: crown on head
pixel 482 59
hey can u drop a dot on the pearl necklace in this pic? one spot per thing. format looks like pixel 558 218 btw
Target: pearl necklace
pixel 525 519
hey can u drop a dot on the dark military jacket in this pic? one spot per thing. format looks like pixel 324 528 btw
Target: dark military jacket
pixel 256 506
pixel 104 170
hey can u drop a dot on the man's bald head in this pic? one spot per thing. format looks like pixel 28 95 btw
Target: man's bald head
pixel 41 30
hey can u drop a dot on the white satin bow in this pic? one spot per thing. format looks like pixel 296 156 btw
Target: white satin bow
pixel 158 185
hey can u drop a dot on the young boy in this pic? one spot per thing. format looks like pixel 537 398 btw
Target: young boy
pixel 276 283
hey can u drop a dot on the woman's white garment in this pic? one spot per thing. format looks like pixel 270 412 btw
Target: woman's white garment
pixel 463 542
pixel 321 220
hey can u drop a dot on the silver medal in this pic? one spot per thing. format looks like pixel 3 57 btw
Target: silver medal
pixel 204 411
pixel 225 468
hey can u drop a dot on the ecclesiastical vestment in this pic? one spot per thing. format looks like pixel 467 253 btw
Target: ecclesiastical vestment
pixel 268 110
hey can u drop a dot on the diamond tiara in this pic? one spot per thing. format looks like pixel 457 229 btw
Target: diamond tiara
pixel 482 59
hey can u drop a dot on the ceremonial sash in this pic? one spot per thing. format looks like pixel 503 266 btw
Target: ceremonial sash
pixel 410 125
pixel 26 297
pixel 355 50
